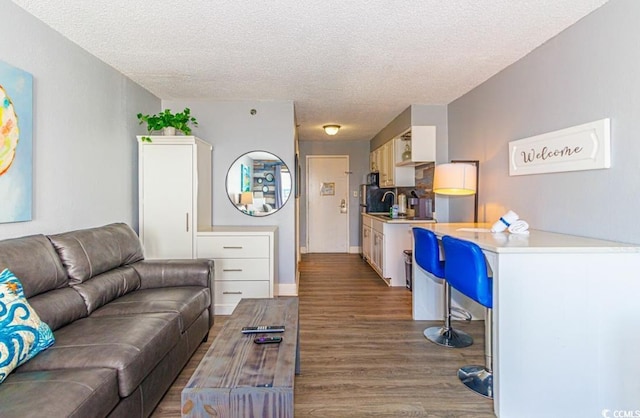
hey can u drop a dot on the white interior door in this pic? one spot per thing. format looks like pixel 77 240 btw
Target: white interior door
pixel 327 204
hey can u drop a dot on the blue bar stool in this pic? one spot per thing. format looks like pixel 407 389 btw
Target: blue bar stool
pixel 427 255
pixel 466 271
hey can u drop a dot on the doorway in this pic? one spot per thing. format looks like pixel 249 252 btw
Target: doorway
pixel 327 203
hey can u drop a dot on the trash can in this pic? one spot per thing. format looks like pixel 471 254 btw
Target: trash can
pixel 408 261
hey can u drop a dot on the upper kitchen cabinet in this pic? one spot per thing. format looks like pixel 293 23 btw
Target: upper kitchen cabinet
pixel 375 158
pixel 396 159
pixel 390 174
pixel 415 146
pixel 387 175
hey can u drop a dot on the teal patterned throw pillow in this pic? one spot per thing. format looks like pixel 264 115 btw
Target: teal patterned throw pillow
pixel 22 333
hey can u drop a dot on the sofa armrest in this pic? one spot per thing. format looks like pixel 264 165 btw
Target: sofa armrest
pixel 170 273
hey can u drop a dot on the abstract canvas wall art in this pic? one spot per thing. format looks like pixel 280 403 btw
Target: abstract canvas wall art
pixel 245 185
pixel 16 136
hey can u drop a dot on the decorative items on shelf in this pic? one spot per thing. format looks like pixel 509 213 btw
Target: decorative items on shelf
pixel 168 122
pixel 406 155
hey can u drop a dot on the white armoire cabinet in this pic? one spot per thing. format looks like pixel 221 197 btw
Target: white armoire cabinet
pixel 174 186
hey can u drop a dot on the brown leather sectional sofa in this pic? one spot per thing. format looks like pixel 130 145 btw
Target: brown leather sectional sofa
pixel 124 327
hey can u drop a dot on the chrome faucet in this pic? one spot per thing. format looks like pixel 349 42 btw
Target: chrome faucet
pixel 384 196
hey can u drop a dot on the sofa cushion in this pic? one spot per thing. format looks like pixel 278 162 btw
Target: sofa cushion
pixel 187 301
pixel 20 255
pixel 88 252
pixel 81 393
pixel 103 288
pixel 22 334
pixel 59 307
pixel 131 344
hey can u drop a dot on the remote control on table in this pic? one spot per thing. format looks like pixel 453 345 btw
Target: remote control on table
pixel 267 340
pixel 263 328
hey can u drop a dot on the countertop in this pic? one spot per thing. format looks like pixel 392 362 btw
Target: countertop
pixel 384 217
pixel 536 242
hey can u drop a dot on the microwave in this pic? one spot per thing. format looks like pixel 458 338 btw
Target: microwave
pixel 373 179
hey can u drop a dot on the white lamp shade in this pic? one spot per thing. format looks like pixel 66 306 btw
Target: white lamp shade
pixel 457 179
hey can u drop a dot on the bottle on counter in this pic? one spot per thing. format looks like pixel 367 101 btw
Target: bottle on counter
pixel 402 204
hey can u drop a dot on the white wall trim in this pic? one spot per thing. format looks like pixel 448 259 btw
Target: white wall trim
pixel 352 250
pixel 287 289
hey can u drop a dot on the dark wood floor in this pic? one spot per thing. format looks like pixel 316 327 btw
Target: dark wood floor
pixel 361 353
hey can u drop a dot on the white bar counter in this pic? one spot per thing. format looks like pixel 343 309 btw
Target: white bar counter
pixel 566 315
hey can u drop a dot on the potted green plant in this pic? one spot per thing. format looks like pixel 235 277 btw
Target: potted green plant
pixel 166 119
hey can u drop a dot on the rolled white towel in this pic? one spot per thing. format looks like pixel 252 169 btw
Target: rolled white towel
pixel 504 222
pixel 519 227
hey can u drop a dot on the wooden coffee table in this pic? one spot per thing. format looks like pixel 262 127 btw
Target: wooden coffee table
pixel 239 378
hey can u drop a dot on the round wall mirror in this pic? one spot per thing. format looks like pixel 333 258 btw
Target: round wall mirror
pixel 258 183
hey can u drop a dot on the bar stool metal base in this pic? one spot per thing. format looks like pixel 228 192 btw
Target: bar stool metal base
pixel 478 379
pixel 448 337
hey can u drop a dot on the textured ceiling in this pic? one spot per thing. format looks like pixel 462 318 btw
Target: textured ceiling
pixel 354 63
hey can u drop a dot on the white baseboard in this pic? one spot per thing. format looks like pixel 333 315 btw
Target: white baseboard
pixel 287 289
pixel 352 250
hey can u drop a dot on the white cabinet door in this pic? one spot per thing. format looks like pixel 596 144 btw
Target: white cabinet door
pixel 388 164
pixel 166 201
pixel 378 252
pixel 373 164
pixel 366 242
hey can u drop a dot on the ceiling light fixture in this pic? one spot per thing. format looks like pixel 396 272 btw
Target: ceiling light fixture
pixel 331 129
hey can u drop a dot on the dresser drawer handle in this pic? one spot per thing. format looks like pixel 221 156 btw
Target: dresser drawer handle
pixel 231 269
pixel 231 293
pixel 232 248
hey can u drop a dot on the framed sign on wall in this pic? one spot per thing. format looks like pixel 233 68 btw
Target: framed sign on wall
pixel 582 147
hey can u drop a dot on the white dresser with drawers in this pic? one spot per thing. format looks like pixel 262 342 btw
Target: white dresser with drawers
pixel 245 262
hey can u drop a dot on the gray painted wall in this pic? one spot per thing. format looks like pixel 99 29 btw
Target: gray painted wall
pixel 84 145
pixel 588 72
pixel 232 130
pixel 358 152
